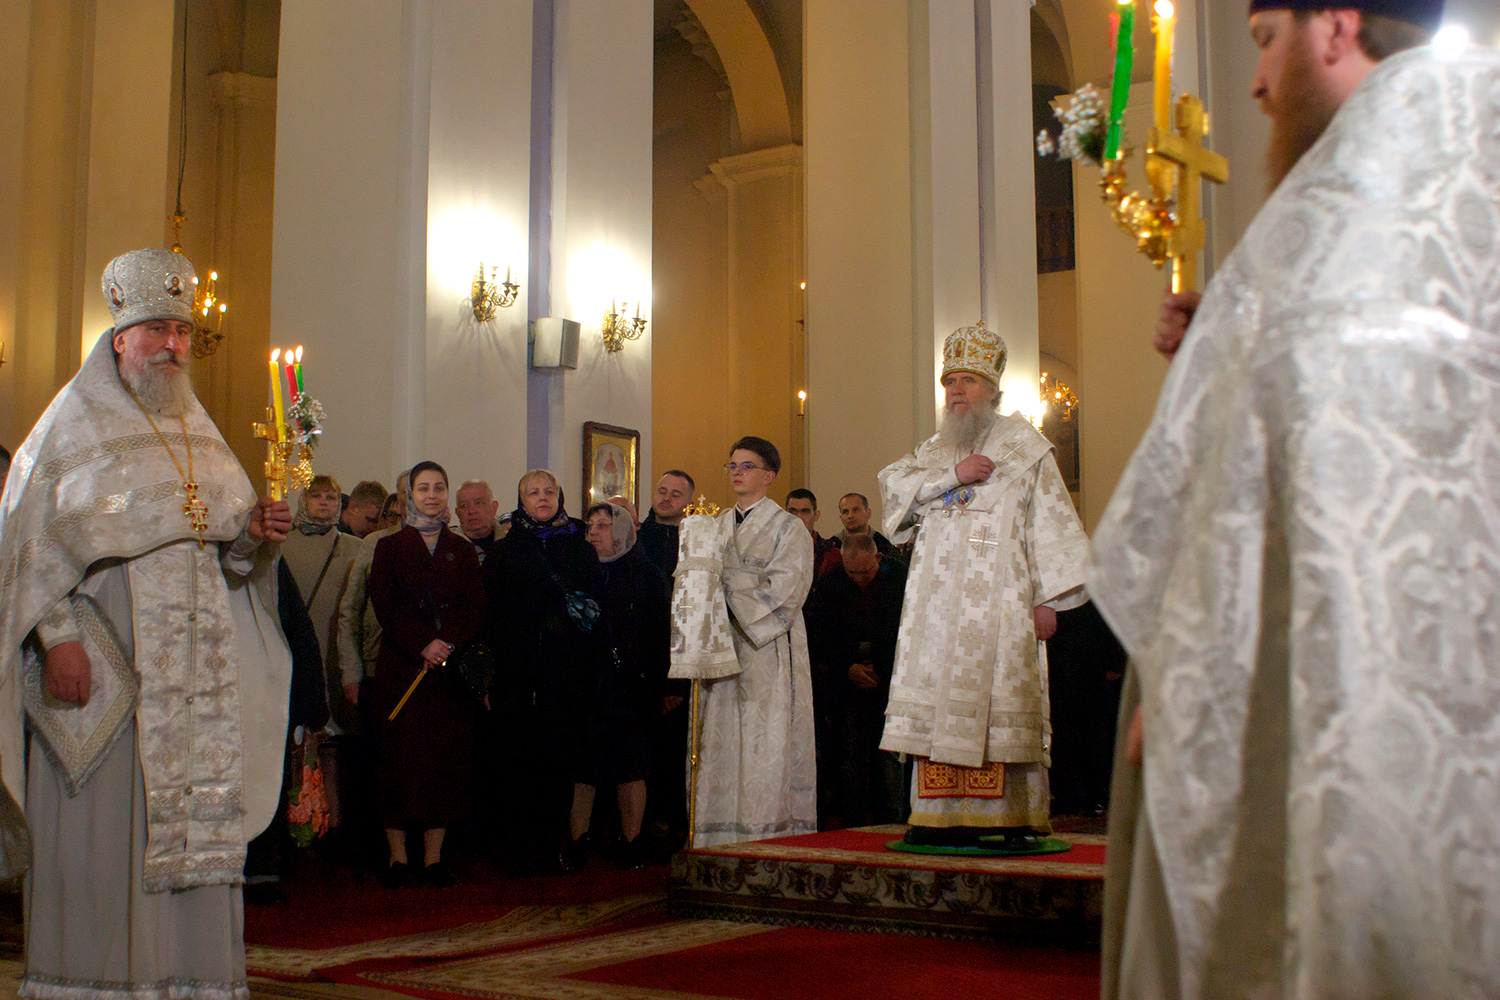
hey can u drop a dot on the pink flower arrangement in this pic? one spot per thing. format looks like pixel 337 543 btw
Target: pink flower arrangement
pixel 307 806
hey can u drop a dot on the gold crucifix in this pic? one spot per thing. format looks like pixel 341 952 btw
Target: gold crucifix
pixel 276 470
pixel 196 510
pixel 1194 164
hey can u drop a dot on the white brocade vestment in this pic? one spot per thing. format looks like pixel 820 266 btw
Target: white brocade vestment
pixel 969 686
pixel 757 776
pixel 134 810
pixel 1303 561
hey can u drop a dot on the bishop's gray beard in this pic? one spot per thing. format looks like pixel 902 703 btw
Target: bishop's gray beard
pixel 966 432
pixel 161 388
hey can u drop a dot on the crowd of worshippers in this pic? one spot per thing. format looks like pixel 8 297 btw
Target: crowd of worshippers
pixel 573 615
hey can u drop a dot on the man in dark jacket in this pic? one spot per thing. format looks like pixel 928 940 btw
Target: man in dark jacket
pixel 853 619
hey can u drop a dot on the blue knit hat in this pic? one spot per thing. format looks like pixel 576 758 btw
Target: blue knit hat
pixel 1423 13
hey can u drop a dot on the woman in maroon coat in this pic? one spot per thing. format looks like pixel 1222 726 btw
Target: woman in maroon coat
pixel 427 592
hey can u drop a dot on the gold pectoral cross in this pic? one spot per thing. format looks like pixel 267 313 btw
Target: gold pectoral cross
pixel 196 511
pixel 1195 163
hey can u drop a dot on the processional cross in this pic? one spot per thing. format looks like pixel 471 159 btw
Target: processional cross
pixel 1195 163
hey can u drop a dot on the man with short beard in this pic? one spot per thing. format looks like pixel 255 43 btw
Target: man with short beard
pixel 1300 561
pixel 998 551
pixel 147 678
pixel 1312 57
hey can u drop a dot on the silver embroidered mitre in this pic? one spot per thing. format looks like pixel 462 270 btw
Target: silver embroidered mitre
pixel 702 641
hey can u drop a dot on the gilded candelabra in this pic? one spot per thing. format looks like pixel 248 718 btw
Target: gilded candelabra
pixel 1166 224
pixel 1163 227
pixel 488 296
pixel 618 327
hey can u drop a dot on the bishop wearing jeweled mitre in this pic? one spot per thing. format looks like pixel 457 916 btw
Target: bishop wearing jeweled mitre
pixel 143 671
pixel 999 550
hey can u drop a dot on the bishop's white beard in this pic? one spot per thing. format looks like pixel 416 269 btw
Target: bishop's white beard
pixel 965 432
pixel 162 388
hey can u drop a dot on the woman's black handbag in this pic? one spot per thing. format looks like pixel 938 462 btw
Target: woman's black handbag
pixel 474 663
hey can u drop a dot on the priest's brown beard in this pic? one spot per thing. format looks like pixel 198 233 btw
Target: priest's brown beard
pixel 162 387
pixel 965 432
pixel 1299 115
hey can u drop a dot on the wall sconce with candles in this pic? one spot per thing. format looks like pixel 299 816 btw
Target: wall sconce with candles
pixel 487 297
pixel 619 327
pixel 1055 393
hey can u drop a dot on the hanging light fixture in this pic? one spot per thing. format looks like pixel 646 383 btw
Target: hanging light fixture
pixel 208 308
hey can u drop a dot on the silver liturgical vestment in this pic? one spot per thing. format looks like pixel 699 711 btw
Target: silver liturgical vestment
pixel 136 808
pixel 969 686
pixel 1303 560
pixel 758 776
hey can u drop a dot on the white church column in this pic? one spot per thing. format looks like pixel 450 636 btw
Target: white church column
pixel 343 234
pixel 1008 194
pixel 763 191
pixel 478 180
pixel 859 304
pixel 903 249
pixel 600 229
pixel 129 139
pixel 402 139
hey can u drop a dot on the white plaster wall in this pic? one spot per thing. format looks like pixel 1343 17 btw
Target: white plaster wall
pixel 945 112
pixel 1240 131
pixel 1119 291
pixel 870 376
pixel 478 186
pixel 13 87
pixel 601 218
pixel 130 103
pixel 338 284
pixel 1008 202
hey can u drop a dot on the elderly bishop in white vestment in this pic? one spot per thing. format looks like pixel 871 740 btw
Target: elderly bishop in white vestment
pixel 969 692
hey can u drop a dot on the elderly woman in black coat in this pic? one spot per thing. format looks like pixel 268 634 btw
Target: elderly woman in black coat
pixel 542 582
pixel 627 691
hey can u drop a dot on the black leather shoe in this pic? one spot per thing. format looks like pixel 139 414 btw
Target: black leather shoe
pixel 397 875
pixel 436 875
pixel 630 855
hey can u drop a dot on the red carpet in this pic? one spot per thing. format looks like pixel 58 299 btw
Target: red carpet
pixel 607 935
pixel 330 906
pixel 1085 852
pixel 797 963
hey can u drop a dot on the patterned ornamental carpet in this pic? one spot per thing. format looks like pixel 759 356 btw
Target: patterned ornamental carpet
pixel 579 954
pixel 606 935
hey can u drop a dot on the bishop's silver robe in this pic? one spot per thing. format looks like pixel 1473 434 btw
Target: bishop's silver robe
pixel 969 686
pixel 1303 560
pixel 758 777
pixel 134 811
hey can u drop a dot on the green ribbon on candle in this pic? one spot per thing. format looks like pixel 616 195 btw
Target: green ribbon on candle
pixel 1124 66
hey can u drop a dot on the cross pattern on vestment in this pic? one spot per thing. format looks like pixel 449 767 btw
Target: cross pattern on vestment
pixel 976 588
pixel 971 638
pixel 983 538
pixel 1195 163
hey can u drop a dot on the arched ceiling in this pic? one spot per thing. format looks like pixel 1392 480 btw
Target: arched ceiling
pixel 760 99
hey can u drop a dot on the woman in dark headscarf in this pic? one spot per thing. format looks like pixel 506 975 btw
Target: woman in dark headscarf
pixel 427 592
pixel 543 586
pixel 627 695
